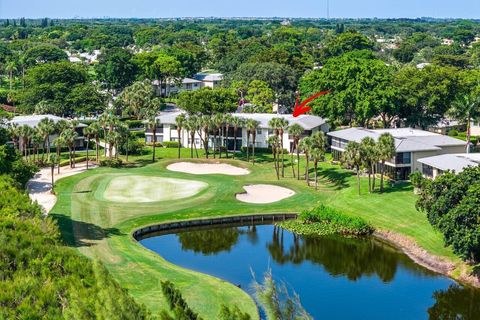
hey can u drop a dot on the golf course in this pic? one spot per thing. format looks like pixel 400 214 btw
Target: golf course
pixel 98 210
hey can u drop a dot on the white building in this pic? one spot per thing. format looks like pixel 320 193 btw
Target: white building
pixel 200 80
pixel 410 144
pixel 437 165
pixel 210 80
pixel 167 129
pixel 475 128
pixel 33 120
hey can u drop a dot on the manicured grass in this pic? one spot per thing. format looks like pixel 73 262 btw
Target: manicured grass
pixel 101 229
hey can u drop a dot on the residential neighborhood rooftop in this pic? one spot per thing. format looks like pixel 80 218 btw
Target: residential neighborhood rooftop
pixel 406 139
pixel 34 119
pixel 454 162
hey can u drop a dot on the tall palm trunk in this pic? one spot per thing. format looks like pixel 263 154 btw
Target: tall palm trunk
pixel 274 151
pixel 315 164
pixel 381 176
pixel 225 142
pixel 248 145
pixel 58 158
pixel 205 143
pixel 70 155
pixel 97 141
pixel 179 129
pixel 358 179
pixel 214 144
pixel 88 143
pixel 298 161
pixel 234 141
pixel 468 134
pixel 220 135
pixel 74 155
pixel 154 131
pixel 291 159
pixel 192 137
pixel 105 141
pixel 373 176
pixel 281 150
pixel 307 170
pixel 48 146
pixel 254 137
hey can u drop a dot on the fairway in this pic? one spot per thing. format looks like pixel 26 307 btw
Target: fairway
pixel 135 188
pixel 98 210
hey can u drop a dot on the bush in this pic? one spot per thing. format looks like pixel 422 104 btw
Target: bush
pixel 112 163
pixel 453 133
pixel 133 124
pixel 417 179
pixel 138 134
pixel 324 220
pixel 170 144
pixel 135 147
pixel 177 303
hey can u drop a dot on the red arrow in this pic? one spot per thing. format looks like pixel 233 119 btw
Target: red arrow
pixel 303 108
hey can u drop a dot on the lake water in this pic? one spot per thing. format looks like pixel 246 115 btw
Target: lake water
pixel 335 277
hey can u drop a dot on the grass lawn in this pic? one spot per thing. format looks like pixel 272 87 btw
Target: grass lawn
pixel 101 227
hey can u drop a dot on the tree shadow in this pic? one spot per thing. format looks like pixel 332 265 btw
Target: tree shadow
pixel 86 233
pixel 339 178
pixel 397 187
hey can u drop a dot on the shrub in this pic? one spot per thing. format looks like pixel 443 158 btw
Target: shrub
pixel 170 144
pixel 113 163
pixel 417 179
pixel 453 133
pixel 177 303
pixel 135 146
pixel 138 134
pixel 133 124
pixel 324 220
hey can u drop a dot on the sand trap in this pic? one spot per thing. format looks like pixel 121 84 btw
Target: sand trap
pixel 150 189
pixel 264 193
pixel 207 168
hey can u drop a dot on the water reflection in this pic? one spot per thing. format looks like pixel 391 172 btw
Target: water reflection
pixel 336 277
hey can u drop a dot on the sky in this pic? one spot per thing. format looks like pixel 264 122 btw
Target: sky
pixel 239 8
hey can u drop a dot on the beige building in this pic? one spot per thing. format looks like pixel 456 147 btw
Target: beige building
pixel 410 144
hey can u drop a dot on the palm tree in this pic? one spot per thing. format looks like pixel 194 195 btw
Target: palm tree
pixel 217 121
pixel 282 126
pixel 69 136
pixel 152 124
pixel 352 157
pixel 13 131
pixel 369 151
pixel 228 120
pixel 180 122
pixel 464 109
pixel 191 125
pixel 73 126
pixel 37 140
pixel 274 124
pixel 89 132
pixel 319 147
pixel 236 123
pixel 26 133
pixel 205 126
pixel 59 143
pixel 252 126
pixel 10 69
pixel 385 151
pixel 104 121
pixel 46 127
pixel 296 131
pixel 95 131
pixel 273 142
pixel 306 146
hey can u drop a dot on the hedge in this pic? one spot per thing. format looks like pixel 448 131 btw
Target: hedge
pixel 170 144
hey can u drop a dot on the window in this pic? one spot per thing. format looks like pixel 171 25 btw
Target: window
pixel 259 131
pixel 403 158
pixel 427 170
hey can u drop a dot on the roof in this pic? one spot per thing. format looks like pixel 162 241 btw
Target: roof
pixel 406 139
pixel 308 122
pixel 34 119
pixel 454 162
pixel 209 77
pixel 8 108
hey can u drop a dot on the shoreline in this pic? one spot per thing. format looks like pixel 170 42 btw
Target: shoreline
pixel 425 259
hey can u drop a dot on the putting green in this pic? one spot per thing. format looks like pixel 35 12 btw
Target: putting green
pixel 133 188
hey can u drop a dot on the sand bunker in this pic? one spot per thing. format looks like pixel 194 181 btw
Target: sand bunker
pixel 207 168
pixel 264 193
pixel 150 189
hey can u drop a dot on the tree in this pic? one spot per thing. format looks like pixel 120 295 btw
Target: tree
pixel 273 143
pixel 386 151
pixel 217 123
pixel 208 101
pixel 10 68
pixel 353 158
pixel 69 136
pixel 89 132
pixel 52 83
pixel 426 94
pixel 166 68
pixel 207 123
pixel 451 202
pixel 466 108
pixel 152 123
pixel 180 121
pixel 115 69
pixel 251 126
pixel 44 53
pixel 361 88
pixel 306 146
pixel 282 126
pixel 370 158
pixel 192 125
pixel 138 97
pixel 85 99
pixel 46 127
pixel 236 123
pixel 261 95
pixel 94 129
pixel 296 131
pixel 346 42
pixel 317 152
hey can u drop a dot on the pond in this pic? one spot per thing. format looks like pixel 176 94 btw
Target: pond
pixel 335 277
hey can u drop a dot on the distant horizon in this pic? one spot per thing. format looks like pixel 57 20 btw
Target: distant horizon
pixel 247 9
